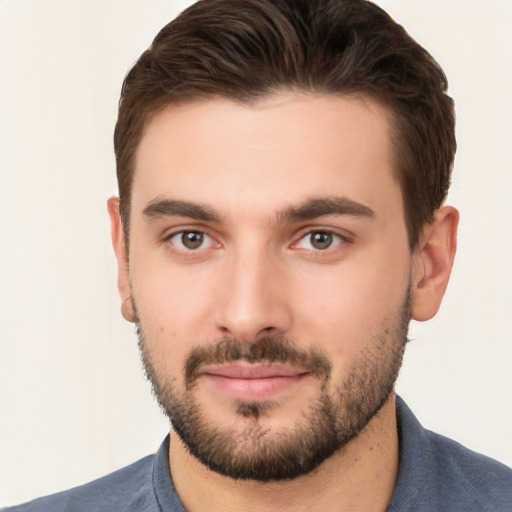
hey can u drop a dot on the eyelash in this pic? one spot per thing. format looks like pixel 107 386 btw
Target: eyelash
pixel 333 237
pixel 184 232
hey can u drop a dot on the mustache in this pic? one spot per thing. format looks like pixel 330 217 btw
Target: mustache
pixel 269 349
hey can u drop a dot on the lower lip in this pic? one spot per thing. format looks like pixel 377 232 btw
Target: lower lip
pixel 251 390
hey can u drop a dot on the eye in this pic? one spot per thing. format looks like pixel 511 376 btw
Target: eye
pixel 319 240
pixel 191 240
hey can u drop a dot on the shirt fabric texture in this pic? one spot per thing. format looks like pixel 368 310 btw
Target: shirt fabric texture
pixel 436 474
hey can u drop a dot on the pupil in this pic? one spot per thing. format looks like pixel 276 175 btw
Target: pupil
pixel 322 240
pixel 192 240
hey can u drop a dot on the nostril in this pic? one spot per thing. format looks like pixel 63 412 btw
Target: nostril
pixel 266 331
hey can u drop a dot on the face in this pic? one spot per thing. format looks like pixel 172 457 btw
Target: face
pixel 269 269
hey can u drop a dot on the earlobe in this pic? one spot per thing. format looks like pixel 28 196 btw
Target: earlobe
pixel 119 244
pixel 432 264
pixel 127 309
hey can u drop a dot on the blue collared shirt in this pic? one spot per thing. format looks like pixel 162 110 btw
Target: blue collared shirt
pixel 435 475
pixel 438 474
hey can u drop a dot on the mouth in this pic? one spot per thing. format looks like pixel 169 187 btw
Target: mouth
pixel 252 382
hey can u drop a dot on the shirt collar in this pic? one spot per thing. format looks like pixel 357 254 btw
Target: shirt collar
pixel 415 487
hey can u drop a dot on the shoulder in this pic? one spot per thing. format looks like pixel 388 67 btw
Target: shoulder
pixel 485 481
pixel 127 489
pixel 437 473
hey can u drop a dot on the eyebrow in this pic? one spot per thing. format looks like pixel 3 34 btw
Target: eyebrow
pixel 309 210
pixel 171 207
pixel 325 206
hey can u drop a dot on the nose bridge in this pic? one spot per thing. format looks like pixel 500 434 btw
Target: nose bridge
pixel 253 296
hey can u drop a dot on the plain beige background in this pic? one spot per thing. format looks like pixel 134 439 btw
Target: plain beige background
pixel 73 401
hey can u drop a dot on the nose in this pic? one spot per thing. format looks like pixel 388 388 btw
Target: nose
pixel 253 297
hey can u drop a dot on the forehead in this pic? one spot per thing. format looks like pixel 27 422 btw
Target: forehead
pixel 286 147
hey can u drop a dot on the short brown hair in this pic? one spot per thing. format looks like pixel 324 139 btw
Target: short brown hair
pixel 247 49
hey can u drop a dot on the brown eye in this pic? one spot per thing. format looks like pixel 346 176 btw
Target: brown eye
pixel 191 240
pixel 320 240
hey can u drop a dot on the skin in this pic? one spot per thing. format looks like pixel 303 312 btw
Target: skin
pixel 258 273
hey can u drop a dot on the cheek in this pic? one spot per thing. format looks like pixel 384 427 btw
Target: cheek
pixel 173 307
pixel 349 306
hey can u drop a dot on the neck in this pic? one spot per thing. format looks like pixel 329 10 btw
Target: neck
pixel 360 476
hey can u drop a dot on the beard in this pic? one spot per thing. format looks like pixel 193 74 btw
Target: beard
pixel 261 453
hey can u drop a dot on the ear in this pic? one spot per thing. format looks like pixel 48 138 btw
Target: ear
pixel 119 243
pixel 432 263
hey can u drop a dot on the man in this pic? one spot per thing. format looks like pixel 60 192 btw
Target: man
pixel 282 170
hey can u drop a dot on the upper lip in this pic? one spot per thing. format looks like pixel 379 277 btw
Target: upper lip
pixel 252 371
